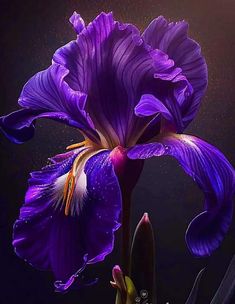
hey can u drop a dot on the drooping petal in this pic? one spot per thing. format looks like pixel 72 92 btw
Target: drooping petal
pixel 31 237
pixel 19 126
pixel 214 175
pixel 47 238
pixel 110 63
pixel 172 38
pixel 47 95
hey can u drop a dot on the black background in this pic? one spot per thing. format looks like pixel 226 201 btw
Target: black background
pixel 30 33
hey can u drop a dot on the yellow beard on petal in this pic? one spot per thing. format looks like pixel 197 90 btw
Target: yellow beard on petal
pixel 75 185
pixel 76 170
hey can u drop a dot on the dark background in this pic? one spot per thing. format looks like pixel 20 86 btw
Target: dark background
pixel 30 33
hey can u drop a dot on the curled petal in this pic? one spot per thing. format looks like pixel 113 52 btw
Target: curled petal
pixel 112 64
pixel 215 177
pixel 149 105
pixel 47 95
pixel 172 38
pixel 77 22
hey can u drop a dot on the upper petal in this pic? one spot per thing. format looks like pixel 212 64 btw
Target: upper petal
pixel 149 105
pixel 77 22
pixel 47 238
pixel 172 38
pixel 214 175
pixel 112 64
pixel 47 95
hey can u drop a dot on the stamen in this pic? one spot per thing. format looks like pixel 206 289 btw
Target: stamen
pixel 77 145
pixel 76 170
pixel 70 183
pixel 68 192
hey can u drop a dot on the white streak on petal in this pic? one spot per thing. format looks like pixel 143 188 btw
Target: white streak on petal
pixel 79 191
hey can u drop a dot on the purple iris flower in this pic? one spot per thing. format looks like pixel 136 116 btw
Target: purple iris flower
pixel 131 96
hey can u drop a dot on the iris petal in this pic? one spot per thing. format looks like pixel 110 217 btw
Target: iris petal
pixel 77 22
pixel 47 95
pixel 149 105
pixel 214 175
pixel 47 238
pixel 172 38
pixel 110 62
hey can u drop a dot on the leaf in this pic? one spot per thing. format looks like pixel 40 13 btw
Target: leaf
pixel 194 292
pixel 118 298
pixel 131 291
pixel 143 271
pixel 226 290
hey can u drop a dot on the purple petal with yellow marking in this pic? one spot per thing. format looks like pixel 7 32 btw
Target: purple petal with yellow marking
pixel 48 239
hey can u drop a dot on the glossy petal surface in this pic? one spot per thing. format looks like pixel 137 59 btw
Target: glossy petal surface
pixel 47 95
pixel 77 22
pixel 172 38
pixel 110 62
pixel 48 239
pixel 214 176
